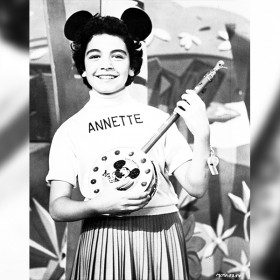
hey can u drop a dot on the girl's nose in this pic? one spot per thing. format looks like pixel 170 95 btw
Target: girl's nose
pixel 106 64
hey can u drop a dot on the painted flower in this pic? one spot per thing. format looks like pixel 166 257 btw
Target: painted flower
pixel 186 40
pixel 225 45
pixel 242 205
pixel 56 259
pixel 159 33
pixel 194 244
pixel 217 237
pixel 242 267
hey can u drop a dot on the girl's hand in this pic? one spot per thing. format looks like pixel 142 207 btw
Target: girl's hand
pixel 193 110
pixel 114 201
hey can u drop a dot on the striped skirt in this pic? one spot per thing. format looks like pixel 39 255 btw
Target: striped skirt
pixel 136 248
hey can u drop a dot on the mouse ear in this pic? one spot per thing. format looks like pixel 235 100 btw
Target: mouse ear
pixel 119 164
pixel 134 173
pixel 138 22
pixel 74 24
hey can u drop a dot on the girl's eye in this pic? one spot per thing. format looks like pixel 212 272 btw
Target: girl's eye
pixel 118 56
pixel 94 56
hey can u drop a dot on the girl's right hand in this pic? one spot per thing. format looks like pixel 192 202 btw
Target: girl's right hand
pixel 114 201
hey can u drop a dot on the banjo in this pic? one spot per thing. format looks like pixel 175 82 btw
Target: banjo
pixel 131 166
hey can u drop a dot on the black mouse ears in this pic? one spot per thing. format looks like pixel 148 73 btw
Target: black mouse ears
pixel 138 23
pixel 74 23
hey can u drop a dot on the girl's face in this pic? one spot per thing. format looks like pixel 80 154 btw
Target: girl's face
pixel 107 64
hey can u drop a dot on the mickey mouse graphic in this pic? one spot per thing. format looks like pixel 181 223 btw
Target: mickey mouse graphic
pixel 122 171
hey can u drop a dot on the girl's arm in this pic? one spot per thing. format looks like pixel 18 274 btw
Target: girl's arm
pixel 110 201
pixel 194 175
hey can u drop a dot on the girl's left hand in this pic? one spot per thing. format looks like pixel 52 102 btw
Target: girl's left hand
pixel 193 110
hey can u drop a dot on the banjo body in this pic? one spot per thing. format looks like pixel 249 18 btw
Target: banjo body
pixel 119 165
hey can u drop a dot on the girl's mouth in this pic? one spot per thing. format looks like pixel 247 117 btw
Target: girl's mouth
pixel 106 77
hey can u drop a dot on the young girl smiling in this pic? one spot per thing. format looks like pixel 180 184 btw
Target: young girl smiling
pixel 125 234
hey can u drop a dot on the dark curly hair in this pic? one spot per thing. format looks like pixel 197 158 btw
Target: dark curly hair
pixel 106 25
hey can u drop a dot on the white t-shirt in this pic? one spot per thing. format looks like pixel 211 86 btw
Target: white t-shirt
pixel 110 121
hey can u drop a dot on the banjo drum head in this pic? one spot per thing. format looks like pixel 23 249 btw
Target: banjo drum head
pixel 119 164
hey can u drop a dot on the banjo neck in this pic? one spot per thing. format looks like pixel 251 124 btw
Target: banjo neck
pixel 208 77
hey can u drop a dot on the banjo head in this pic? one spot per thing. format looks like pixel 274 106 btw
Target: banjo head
pixel 119 164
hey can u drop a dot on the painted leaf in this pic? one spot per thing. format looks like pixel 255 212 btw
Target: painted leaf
pixel 196 40
pixel 38 53
pixel 235 246
pixel 232 262
pixel 183 34
pixel 196 244
pixel 185 199
pixel 49 225
pixel 223 35
pixel 63 250
pixel 234 269
pixel 247 273
pixel 194 265
pixel 243 258
pixel 37 273
pixel 188 227
pixel 220 225
pixel 224 46
pixel 185 40
pixel 197 229
pixel 42 249
pixel 77 76
pixel 238 203
pixel 188 44
pixel 149 39
pixel 162 34
pixel 228 232
pixel 212 265
pixel 246 194
pixel 53 271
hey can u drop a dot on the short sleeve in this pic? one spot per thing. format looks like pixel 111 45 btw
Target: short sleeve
pixel 176 148
pixel 62 159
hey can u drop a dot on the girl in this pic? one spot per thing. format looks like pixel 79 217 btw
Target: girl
pixel 125 234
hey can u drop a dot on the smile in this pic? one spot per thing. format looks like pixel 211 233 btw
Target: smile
pixel 106 77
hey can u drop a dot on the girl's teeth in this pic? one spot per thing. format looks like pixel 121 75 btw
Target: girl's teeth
pixel 106 77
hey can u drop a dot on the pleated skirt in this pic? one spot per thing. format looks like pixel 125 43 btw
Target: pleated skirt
pixel 136 248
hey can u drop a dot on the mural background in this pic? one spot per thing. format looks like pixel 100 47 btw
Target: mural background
pixel 188 38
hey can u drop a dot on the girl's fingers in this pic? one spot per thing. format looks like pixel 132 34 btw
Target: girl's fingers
pixel 183 105
pixel 123 184
pixel 190 91
pixel 193 98
pixel 138 202
pixel 131 208
pixel 190 94
pixel 179 111
pixel 132 195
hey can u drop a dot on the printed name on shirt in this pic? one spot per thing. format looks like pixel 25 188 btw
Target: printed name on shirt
pixel 114 121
